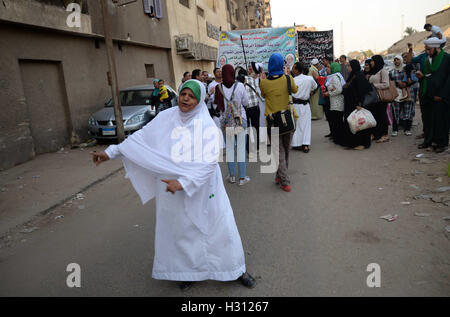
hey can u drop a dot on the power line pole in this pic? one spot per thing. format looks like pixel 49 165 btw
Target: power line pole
pixel 112 73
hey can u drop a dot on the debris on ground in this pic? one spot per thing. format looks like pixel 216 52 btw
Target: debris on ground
pixel 446 218
pixel 89 143
pixel 418 214
pixel 416 172
pixel 406 203
pixel 36 176
pixel 442 189
pixel 414 186
pixel 420 155
pixel 29 230
pixel 59 217
pixel 439 179
pixel 79 197
pixel 4 190
pixel 447 229
pixel 390 218
pixel 81 207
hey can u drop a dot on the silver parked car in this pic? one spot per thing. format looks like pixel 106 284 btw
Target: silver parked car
pixel 137 111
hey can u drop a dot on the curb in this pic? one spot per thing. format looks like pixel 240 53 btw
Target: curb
pixel 61 202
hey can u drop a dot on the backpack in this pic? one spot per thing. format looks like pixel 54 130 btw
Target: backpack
pixel 232 119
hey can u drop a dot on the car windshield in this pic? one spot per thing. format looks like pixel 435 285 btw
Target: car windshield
pixel 134 98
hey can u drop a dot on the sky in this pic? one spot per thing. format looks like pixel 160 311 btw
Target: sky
pixel 374 25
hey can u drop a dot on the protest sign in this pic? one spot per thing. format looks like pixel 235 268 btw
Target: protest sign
pixel 259 45
pixel 315 45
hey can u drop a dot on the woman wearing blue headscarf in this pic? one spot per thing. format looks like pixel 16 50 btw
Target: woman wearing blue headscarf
pixel 274 90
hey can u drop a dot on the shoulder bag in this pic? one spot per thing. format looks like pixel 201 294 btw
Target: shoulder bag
pixel 284 120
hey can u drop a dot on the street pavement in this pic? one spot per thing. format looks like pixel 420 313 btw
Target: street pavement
pixel 316 241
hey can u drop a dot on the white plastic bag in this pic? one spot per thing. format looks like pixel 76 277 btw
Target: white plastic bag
pixel 361 120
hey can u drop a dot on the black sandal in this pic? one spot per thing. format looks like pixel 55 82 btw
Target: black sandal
pixel 184 286
pixel 247 280
pixel 306 149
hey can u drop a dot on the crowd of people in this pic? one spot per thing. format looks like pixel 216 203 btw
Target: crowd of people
pixel 334 89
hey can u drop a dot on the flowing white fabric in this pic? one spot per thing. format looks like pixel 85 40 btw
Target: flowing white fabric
pixel 196 237
pixel 302 135
pixel 330 77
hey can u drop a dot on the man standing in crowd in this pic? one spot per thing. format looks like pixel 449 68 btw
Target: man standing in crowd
pixel 186 77
pixel 437 33
pixel 205 76
pixel 306 86
pixel 316 110
pixel 344 67
pixel 215 113
pixel 435 96
pixel 253 111
pixel 196 74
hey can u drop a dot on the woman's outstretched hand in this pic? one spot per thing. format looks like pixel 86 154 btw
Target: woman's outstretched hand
pixel 172 185
pixel 99 157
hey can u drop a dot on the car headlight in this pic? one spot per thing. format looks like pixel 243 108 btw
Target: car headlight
pixel 136 119
pixel 92 121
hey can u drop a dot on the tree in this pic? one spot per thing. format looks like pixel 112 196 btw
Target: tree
pixel 410 31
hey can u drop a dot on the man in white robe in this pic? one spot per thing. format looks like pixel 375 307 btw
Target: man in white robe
pixel 175 159
pixel 306 85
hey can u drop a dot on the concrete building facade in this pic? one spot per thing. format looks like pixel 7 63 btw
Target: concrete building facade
pixel 53 71
pixel 53 76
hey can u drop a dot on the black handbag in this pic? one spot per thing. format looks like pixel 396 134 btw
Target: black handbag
pixel 284 120
pixel 371 97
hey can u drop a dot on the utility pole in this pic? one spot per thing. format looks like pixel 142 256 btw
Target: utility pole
pixel 112 73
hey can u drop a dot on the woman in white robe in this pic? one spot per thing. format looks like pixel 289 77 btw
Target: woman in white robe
pixel 174 159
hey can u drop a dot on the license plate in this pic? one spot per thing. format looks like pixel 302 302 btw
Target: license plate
pixel 109 131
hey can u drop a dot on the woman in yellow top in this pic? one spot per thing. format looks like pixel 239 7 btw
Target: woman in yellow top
pixel 274 90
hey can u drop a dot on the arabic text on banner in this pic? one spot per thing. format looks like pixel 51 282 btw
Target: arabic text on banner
pixel 259 45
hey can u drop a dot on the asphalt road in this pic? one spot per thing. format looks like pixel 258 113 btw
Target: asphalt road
pixel 316 241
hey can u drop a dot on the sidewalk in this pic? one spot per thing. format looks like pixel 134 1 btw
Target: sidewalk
pixel 50 179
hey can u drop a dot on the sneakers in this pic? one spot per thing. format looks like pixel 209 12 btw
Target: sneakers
pixel 232 179
pixel 395 134
pixel 244 181
pixel 408 133
pixel 286 188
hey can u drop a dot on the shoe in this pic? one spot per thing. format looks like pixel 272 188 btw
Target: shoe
pixel 423 146
pixel 184 286
pixel 439 149
pixel 247 280
pixel 244 181
pixel 306 149
pixel 359 148
pixel 395 134
pixel 232 179
pixel 277 181
pixel 286 188
pixel 328 136
pixel 408 133
pixel 420 136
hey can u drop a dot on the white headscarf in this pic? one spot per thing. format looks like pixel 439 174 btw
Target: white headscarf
pixel 186 117
pixel 148 156
pixel 402 65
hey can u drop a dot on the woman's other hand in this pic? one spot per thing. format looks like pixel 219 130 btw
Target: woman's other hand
pixel 99 157
pixel 172 185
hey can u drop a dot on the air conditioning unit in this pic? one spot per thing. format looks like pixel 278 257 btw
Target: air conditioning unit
pixel 184 44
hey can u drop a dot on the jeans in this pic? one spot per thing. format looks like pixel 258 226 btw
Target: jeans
pixel 238 141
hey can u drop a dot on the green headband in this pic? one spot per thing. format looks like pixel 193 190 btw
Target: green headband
pixel 194 86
